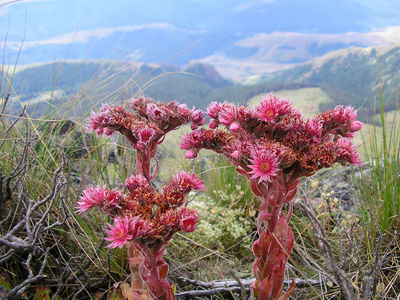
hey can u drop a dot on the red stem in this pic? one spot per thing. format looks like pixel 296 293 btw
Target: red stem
pixel 135 259
pixel 275 242
pixel 153 272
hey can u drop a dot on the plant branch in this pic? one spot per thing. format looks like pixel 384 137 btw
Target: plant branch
pixel 326 250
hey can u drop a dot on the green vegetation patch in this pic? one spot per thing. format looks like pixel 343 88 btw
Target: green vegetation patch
pixel 307 100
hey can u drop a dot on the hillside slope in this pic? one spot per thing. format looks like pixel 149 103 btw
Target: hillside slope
pixel 93 82
pixel 352 76
pixel 78 87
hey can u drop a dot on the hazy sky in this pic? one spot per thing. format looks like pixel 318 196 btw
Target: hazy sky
pixel 168 26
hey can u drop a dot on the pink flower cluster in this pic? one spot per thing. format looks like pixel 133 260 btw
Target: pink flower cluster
pixel 275 136
pixel 143 213
pixel 148 121
pixel 144 125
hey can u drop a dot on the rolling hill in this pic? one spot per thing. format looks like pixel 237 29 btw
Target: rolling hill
pixel 78 87
pixel 351 76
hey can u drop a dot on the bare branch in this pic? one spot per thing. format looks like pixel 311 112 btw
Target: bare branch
pixel 370 277
pixel 326 250
pixel 22 287
pixel 231 286
pixel 241 285
pixel 25 224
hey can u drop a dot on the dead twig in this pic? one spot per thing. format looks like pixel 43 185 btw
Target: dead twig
pixel 231 286
pixel 343 281
pixel 370 277
pixel 24 227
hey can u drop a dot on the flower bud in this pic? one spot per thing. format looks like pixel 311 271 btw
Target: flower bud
pixel 213 123
pixel 234 127
pixel 355 126
pixel 189 219
pixel 191 154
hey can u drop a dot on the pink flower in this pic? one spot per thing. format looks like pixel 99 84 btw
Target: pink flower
pixel 99 121
pixel 192 140
pixel 213 123
pixel 243 114
pixel 107 132
pixel 213 110
pixel 355 126
pixel 139 228
pixel 136 182
pixel 239 148
pixel 145 135
pixel 112 200
pixel 197 117
pixel 184 108
pixel 139 105
pixel 154 112
pixel 191 154
pixel 188 219
pixel 268 108
pixel 284 106
pixel 354 158
pixel 264 165
pixel 169 219
pixel 234 127
pixel 92 196
pixel 185 183
pixel 109 119
pixel 118 234
pixel 343 115
pixel 236 154
pixel 314 129
pixel 173 105
pixel 346 152
pixel 227 114
pixel 179 114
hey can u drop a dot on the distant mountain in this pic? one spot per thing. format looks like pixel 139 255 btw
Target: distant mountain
pixel 349 76
pixel 78 87
pixel 352 76
pixel 283 50
pixel 91 83
pixel 205 72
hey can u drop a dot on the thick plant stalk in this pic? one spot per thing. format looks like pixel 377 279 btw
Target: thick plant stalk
pixel 137 284
pixel 154 271
pixel 275 242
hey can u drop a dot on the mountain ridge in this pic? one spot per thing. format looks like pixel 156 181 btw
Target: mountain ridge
pixel 88 84
pixel 349 76
pixel 353 76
